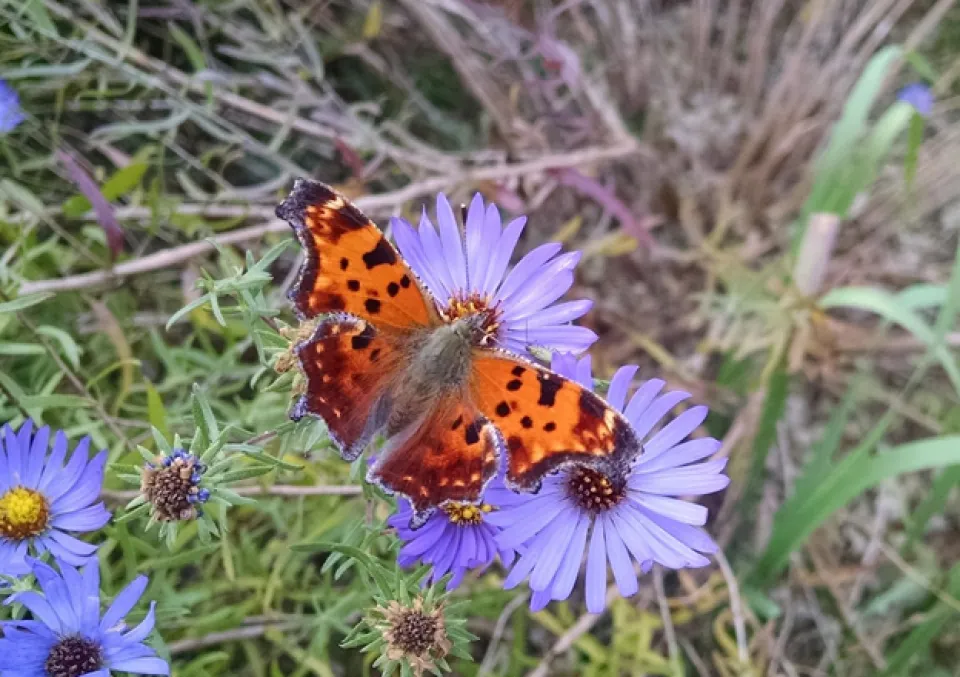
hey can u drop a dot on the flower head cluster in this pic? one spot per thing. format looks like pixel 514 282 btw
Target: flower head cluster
pixel 467 275
pixel 171 484
pixel 457 538
pixel 10 114
pixel 918 95
pixel 68 637
pixel 617 521
pixel 415 634
pixel 44 498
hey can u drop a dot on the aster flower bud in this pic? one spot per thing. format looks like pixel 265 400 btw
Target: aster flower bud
pixel 178 484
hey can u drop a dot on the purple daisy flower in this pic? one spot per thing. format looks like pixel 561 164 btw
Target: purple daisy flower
pixel 456 538
pixel 68 637
pixel 637 520
pixel 919 96
pixel 468 275
pixel 10 115
pixel 41 499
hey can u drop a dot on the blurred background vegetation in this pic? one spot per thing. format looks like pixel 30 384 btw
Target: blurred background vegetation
pixel 763 224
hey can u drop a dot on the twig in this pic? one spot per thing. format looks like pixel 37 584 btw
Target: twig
pixel 486 666
pixel 668 629
pixel 567 639
pixel 736 607
pixel 383 203
pixel 236 634
pixel 257 490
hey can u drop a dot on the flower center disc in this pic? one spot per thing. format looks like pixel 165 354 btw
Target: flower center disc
pixel 73 656
pixel 464 514
pixel 478 307
pixel 594 491
pixel 23 513
pixel 415 632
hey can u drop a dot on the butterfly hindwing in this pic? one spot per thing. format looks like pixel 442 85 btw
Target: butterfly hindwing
pixel 349 265
pixel 347 364
pixel 449 455
pixel 547 421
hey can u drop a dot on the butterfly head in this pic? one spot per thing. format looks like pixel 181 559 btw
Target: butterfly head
pixel 475 317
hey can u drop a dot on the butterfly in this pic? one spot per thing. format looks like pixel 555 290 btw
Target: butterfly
pixel 387 358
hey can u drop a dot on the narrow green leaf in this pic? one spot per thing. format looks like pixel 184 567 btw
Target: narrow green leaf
pixel 22 302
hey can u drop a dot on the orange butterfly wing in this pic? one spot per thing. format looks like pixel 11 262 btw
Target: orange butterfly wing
pixel 347 364
pixel 349 265
pixel 449 456
pixel 547 421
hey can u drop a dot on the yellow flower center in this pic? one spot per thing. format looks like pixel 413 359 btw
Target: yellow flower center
pixel 485 317
pixel 23 513
pixel 464 514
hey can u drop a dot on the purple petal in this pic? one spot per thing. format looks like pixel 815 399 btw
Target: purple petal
pixel 650 416
pixel 566 576
pixel 433 253
pixel 619 384
pixel 452 244
pixel 596 577
pixel 123 603
pixel 585 372
pixel 703 478
pixel 36 457
pixel 675 431
pixel 526 269
pixel 476 255
pixel 620 562
pixel 54 464
pixel 680 455
pixel 502 253
pixel 675 509
pixel 561 533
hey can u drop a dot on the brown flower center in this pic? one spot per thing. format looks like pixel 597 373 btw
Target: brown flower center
pixel 172 488
pixel 23 513
pixel 477 307
pixel 592 490
pixel 73 656
pixel 414 632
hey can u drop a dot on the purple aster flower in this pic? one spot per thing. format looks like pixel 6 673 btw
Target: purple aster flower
pixel 41 498
pixel 919 96
pixel 457 537
pixel 67 636
pixel 468 275
pixel 10 115
pixel 639 519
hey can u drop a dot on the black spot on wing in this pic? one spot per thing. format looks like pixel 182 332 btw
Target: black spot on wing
pixel 519 371
pixel 514 385
pixel 393 289
pixel 457 423
pixel 405 281
pixel 344 263
pixel 550 427
pixel 353 285
pixel 381 254
pixel 526 422
pixel 503 409
pixel 472 432
pixel 363 339
pixel 548 389
pixel 372 306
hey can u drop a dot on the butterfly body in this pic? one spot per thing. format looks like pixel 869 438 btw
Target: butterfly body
pixel 387 358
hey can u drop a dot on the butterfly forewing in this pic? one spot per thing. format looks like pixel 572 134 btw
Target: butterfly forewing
pixel 349 266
